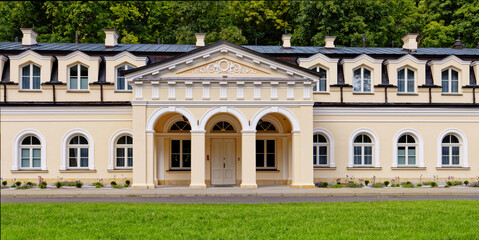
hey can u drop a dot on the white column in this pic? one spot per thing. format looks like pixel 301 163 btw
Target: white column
pixel 198 165
pixel 139 147
pixel 296 157
pixel 248 161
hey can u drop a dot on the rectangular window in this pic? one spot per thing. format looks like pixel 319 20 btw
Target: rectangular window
pixel 265 153
pixel 26 77
pixel 36 160
pixel 181 154
pixel 323 155
pixel 120 157
pixel 411 155
pixel 130 157
pixel 357 155
pixel 401 155
pixel 410 81
pixel 454 81
pixel 357 80
pixel 83 157
pixel 25 158
pixel 455 155
pixel 445 155
pixel 73 157
pixel 368 155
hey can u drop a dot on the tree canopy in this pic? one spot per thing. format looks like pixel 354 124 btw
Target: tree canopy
pixel 384 22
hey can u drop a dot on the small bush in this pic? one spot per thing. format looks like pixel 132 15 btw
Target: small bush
pixel 29 183
pixel 98 185
pixel 58 184
pixel 78 184
pixel 354 185
pixel 337 185
pixel 366 182
pixel 419 185
pixel 475 184
pixel 449 183
pixel 433 184
pixel 127 182
pixel 395 185
pixel 447 186
pixel 4 183
pixel 377 185
pixel 18 183
pixel 25 186
pixel 42 185
pixel 386 183
pixel 319 184
pixel 113 183
pixel 466 182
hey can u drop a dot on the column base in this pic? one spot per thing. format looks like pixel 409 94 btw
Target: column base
pixel 139 186
pixel 303 186
pixel 249 186
pixel 198 185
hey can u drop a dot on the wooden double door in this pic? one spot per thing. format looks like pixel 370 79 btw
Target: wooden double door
pixel 223 161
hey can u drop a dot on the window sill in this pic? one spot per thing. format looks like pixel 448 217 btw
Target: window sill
pixel 364 168
pixel 321 93
pixel 29 171
pixel 123 91
pixel 267 170
pixel 178 170
pixel 78 91
pixel 451 94
pixel 77 171
pixel 408 168
pixel 324 168
pixel 407 94
pixel 453 168
pixel 120 170
pixel 363 93
pixel 30 90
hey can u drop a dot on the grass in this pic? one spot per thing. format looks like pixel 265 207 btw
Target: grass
pixel 344 220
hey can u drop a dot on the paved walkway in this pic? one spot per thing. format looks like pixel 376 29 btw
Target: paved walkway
pixel 273 191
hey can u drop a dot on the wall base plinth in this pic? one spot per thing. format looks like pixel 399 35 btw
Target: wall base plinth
pixel 303 186
pixel 197 185
pixel 249 186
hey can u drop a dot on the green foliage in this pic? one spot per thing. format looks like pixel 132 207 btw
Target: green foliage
pixel 17 183
pixel 42 185
pixel 4 183
pixel 366 182
pixel 98 184
pixel 466 182
pixel 113 183
pixel 127 183
pixel 378 185
pixel 386 183
pixel 419 185
pixel 352 184
pixel 78 184
pixel 58 184
pixel 438 23
pixel 336 185
pixel 395 185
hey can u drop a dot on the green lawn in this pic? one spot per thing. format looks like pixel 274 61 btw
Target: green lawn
pixel 363 220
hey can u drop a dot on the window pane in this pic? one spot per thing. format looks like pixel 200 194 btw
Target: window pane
pixel 357 155
pixel 74 71
pixel 270 160
pixel 83 157
pixel 27 141
pixel 411 160
pixel 36 71
pixel 357 80
pixel 359 139
pixel 445 155
pixel 455 160
pixel 259 160
pixel 445 86
pixel 403 139
pixel 455 151
pixel 25 157
pixel 323 160
pixel 37 162
pixel 83 162
pixel 323 150
pixel 454 86
pixel 401 84
pixel 186 160
pixel 122 140
pixel 84 83
pixel 410 74
pixel 454 75
pixel 401 160
pixel 368 151
pixel 259 146
pixel 410 86
pixel 270 146
pixel 322 85
pixel 73 83
pixel 129 140
pixel 73 157
pixel 35 141
pixel 367 74
pixel 410 139
pixel 120 83
pixel 36 82
pixel 82 140
pixel 401 74
pixel 36 152
pixel 368 160
pixel 401 151
pixel 357 160
pixel 315 149
pixel 130 157
pixel 175 160
pixel 120 152
pixel 321 139
pixel 25 82
pixel 454 139
pixel 367 85
pixel 186 146
pixel 120 162
pixel 367 139
pixel 84 71
pixel 175 146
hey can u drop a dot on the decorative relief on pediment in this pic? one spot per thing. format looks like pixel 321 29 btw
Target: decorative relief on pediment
pixel 224 66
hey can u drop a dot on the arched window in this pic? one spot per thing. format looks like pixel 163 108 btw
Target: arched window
pixel 451 150
pixel 320 150
pixel 407 151
pixel 362 80
pixel 77 150
pixel 180 126
pixel 121 84
pixel 265 126
pixel 406 80
pixel 30 153
pixel 223 126
pixel 30 77
pixel 363 150
pixel 321 85
pixel 450 81
pixel 124 152
pixel 78 77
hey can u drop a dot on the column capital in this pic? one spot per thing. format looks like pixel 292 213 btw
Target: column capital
pixel 248 131
pixel 198 131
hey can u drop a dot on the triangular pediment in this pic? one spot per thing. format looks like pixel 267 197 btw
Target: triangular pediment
pixel 219 60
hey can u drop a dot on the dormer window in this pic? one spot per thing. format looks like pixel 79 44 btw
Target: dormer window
pixel 321 85
pixel 78 77
pixel 450 81
pixel 30 77
pixel 362 80
pixel 121 84
pixel 406 79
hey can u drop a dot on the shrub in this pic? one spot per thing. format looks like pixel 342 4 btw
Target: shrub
pixel 354 185
pixel 42 185
pixel 18 183
pixel 4 183
pixel 377 185
pixel 466 182
pixel 58 184
pixel 395 185
pixel 366 182
pixel 433 184
pixel 78 184
pixel 475 184
pixel 419 185
pixel 25 186
pixel 447 186
pixel 449 183
pixel 113 183
pixel 336 185
pixel 98 185
pixel 29 183
pixel 386 183
pixel 127 182
pixel 318 184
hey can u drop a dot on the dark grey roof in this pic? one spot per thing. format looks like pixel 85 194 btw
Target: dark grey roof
pixel 179 48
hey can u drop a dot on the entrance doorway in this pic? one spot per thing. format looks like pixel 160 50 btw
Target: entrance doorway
pixel 223 161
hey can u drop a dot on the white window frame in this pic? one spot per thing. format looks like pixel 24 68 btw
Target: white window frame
pixel 30 149
pixel 406 80
pixel 181 153
pixel 91 151
pixel 322 144
pixel 265 158
pixel 363 146
pixel 463 149
pixel 78 157
pixel 419 148
pixel 375 150
pixel 125 146
pixel 329 137
pixel 113 140
pixel 407 146
pixel 78 77
pixel 325 79
pixel 362 79
pixel 449 80
pixel 17 146
pixel 30 65
pixel 127 67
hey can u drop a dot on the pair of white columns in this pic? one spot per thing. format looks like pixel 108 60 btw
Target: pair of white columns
pixel 198 164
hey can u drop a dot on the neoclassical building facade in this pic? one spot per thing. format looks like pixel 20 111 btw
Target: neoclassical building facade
pixel 225 114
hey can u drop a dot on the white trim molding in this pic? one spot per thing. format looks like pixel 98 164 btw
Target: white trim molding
pixel 233 111
pixel 285 112
pixel 406 57
pixel 420 147
pixel 362 56
pixel 150 125
pixel 30 52
pixel 451 57
pixel 91 146
pixel 79 53
pixel 331 144
pixel 16 148
pixel 463 161
pixel 316 56
pixel 125 53
pixel 113 139
pixel 376 160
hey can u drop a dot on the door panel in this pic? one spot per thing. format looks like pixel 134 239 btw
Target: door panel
pixel 223 161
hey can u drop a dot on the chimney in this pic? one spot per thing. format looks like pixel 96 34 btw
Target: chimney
pixel 457 44
pixel 410 42
pixel 329 42
pixel 111 38
pixel 29 36
pixel 200 39
pixel 286 41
